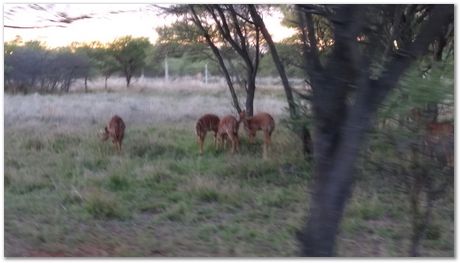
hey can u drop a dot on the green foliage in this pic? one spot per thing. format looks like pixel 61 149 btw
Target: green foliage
pixel 103 60
pixel 433 232
pixel 33 67
pixel 130 53
pixel 180 32
pixel 208 195
pixel 25 185
pixel 289 54
pixel 118 182
pixel 417 90
pixel 34 144
pixel 103 206
pixel 367 209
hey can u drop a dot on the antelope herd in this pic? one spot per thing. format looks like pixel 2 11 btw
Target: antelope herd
pixel 225 130
pixel 439 135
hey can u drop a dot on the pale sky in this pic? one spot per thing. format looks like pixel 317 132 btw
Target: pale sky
pixel 138 20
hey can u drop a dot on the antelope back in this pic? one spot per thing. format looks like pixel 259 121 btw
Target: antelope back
pixel 440 141
pixel 439 129
pixel 260 121
pixel 264 121
pixel 228 124
pixel 116 127
pixel 207 122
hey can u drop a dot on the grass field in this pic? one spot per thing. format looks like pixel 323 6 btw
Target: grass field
pixel 69 194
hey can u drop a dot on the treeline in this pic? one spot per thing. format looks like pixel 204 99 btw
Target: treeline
pixel 34 67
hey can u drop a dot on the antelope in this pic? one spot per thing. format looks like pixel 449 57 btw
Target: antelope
pixel 439 138
pixel 261 121
pixel 207 122
pixel 228 129
pixel 114 129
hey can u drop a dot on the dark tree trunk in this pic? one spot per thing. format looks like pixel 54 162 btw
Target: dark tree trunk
pixel 86 84
pixel 105 82
pixel 239 42
pixel 304 133
pixel 276 59
pixel 250 97
pixel 128 80
pixel 340 128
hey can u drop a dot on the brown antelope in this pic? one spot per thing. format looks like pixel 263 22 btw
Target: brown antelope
pixel 116 130
pixel 207 122
pixel 228 129
pixel 439 139
pixel 261 121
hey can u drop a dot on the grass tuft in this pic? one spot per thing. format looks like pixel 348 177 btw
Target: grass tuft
pixel 102 205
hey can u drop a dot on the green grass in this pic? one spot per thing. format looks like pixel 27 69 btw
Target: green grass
pixel 158 180
pixel 71 194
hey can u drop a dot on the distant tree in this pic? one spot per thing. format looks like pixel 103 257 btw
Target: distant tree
pixel 24 65
pixel 65 66
pixel 86 51
pixel 102 60
pixel 33 67
pixel 130 54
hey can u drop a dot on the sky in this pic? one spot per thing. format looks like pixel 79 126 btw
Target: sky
pixel 137 20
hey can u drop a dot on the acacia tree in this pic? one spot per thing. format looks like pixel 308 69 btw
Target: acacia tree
pixel 103 60
pixel 130 54
pixel 348 87
pixel 228 26
pixel 259 23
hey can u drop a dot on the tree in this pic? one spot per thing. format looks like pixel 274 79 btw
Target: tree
pixel 418 161
pixel 102 59
pixel 24 65
pixel 85 51
pixel 221 26
pixel 259 23
pixel 64 67
pixel 348 88
pixel 130 54
pixel 274 53
pixel 32 66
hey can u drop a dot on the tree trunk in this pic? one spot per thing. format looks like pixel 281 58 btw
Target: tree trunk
pixel 105 82
pixel 220 60
pixel 128 80
pixel 86 84
pixel 276 59
pixel 250 96
pixel 340 129
pixel 304 133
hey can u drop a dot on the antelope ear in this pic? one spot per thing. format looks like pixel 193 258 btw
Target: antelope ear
pixel 105 129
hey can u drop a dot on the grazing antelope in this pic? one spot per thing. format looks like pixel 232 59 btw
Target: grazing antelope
pixel 207 122
pixel 261 121
pixel 114 129
pixel 228 129
pixel 439 139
